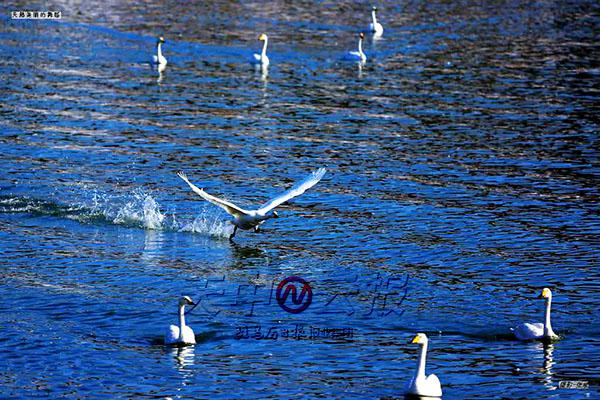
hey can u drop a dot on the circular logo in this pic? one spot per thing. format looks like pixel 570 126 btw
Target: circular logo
pixel 299 302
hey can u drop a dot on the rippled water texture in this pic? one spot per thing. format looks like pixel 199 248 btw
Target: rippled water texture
pixel 463 176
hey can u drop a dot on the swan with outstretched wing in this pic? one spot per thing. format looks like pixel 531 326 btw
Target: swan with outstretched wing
pixel 252 219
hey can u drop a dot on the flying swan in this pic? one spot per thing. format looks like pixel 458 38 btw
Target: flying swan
pixel 158 58
pixel 538 331
pixel 252 219
pixel 182 334
pixel 420 384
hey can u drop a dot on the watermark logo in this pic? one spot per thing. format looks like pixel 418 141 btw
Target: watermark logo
pixel 299 301
pixel 36 14
pixel 573 385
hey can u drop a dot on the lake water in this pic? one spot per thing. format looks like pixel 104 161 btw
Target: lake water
pixel 463 177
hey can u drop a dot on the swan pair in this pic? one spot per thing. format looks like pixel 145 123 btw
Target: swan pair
pixel 181 334
pixel 376 29
pixel 252 219
pixel 423 385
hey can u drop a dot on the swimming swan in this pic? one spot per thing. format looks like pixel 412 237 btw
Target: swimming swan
pixel 538 331
pixel 375 27
pixel 262 59
pixel 181 334
pixel 248 219
pixel 357 55
pixel 158 58
pixel 420 384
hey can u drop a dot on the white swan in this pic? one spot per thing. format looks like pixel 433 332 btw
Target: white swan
pixel 248 219
pixel 181 334
pixel 262 59
pixel 158 58
pixel 420 384
pixel 538 331
pixel 375 27
pixel 357 55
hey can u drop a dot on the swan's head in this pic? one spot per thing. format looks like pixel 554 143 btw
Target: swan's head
pixel 419 338
pixel 361 35
pixel 262 37
pixel 374 9
pixel 160 40
pixel 546 293
pixel 186 301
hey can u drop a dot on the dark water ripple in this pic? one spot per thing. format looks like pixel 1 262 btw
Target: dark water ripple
pixel 462 161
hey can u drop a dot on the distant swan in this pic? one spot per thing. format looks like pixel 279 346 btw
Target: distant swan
pixel 262 59
pixel 357 55
pixel 538 331
pixel 375 27
pixel 158 58
pixel 181 334
pixel 249 219
pixel 420 384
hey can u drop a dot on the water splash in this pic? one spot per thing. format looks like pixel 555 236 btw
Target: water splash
pixel 141 210
pixel 136 209
pixel 208 223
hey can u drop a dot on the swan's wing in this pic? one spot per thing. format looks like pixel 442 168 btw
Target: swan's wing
pixel 299 188
pixel 434 387
pixel 231 208
pixel 188 335
pixel 527 331
pixel 172 334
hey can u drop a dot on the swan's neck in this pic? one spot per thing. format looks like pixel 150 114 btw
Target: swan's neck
pixel 264 49
pixel 181 321
pixel 548 332
pixel 360 51
pixel 374 18
pixel 159 53
pixel 421 362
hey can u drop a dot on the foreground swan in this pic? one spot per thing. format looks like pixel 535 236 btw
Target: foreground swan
pixel 248 219
pixel 357 55
pixel 262 59
pixel 375 27
pixel 181 334
pixel 158 58
pixel 538 331
pixel 420 384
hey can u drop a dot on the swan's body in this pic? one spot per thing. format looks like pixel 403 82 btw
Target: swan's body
pixel 357 55
pixel 158 58
pixel 252 219
pixel 262 59
pixel 182 334
pixel 538 331
pixel 421 384
pixel 375 27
